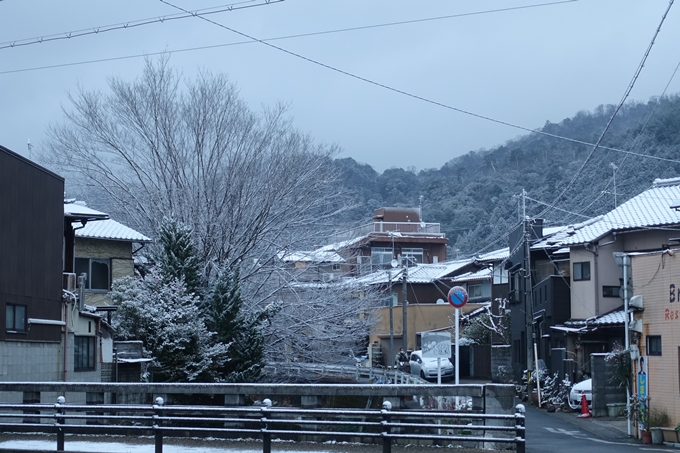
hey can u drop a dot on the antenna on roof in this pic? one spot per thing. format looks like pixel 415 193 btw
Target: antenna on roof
pixel 30 148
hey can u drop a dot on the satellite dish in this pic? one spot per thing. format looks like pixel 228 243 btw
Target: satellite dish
pixel 394 263
pixel 422 224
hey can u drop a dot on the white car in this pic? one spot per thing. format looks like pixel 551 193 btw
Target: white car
pixel 575 395
pixel 427 368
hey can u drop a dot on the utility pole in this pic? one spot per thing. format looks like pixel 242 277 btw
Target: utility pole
pixel 389 277
pixel 528 298
pixel 405 302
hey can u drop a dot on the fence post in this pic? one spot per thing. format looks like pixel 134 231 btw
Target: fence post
pixel 266 435
pixel 60 422
pixel 520 410
pixel 158 402
pixel 387 441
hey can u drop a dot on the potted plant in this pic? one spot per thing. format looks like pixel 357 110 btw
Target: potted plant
pixel 672 434
pixel 658 418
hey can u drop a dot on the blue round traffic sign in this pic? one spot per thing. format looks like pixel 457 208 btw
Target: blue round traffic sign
pixel 458 297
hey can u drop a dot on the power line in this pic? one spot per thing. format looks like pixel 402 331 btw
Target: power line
pixel 131 24
pixel 402 92
pixel 618 107
pixel 405 93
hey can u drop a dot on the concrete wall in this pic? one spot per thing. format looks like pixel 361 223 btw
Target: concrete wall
pixel 34 361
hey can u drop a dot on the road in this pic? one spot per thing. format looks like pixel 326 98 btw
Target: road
pixel 546 433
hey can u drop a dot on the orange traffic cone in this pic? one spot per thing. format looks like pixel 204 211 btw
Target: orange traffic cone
pixel 585 412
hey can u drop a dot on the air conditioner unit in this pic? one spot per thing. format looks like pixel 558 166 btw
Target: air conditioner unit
pixel 69 282
pixel 327 277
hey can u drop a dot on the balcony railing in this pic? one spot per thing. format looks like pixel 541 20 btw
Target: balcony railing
pixel 391 228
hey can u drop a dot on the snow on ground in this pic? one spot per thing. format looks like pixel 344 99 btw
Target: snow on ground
pixel 118 444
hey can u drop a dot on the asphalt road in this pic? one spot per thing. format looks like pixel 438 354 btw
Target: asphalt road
pixel 548 433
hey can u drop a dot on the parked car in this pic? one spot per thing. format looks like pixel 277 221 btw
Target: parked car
pixel 426 368
pixel 575 395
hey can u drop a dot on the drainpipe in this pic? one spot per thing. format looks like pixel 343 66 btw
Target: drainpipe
pixel 595 273
pixel 65 340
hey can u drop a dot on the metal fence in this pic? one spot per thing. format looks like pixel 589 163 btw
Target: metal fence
pixel 384 426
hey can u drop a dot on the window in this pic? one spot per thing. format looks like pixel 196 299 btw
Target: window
pixel 653 344
pixel 381 256
pixel 610 291
pixel 474 291
pixel 98 274
pixel 582 271
pixel 337 267
pixel 84 353
pixel 15 318
pixel 413 255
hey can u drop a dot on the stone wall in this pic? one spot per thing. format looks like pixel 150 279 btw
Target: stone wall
pixel 501 363
pixel 605 391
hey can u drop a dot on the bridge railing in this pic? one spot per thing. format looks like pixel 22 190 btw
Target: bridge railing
pixel 385 426
pixel 373 375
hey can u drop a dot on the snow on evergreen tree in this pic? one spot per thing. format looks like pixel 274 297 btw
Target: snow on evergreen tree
pixel 167 319
pixel 177 255
pixel 224 314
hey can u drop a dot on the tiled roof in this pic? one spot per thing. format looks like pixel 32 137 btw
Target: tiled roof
pixel 313 256
pixel 615 318
pixel 422 273
pixel 496 255
pixel 343 244
pixel 482 274
pixel 111 230
pixel 652 208
pixel 78 210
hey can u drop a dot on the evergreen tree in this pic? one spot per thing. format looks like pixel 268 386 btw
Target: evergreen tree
pixel 177 256
pixel 225 315
pixel 167 319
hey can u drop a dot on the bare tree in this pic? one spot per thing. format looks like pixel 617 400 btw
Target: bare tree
pixel 323 322
pixel 248 185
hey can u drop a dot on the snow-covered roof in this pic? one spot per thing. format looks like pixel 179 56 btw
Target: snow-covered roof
pixel 342 245
pixel 655 207
pixel 615 318
pixel 428 273
pixel 495 255
pixel 482 274
pixel 421 273
pixel 111 230
pixel 80 211
pixel 313 256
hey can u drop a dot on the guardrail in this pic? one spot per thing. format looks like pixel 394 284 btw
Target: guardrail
pixel 385 426
pixel 373 375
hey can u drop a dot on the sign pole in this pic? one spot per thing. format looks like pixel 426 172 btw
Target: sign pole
pixel 457 348
pixel 458 297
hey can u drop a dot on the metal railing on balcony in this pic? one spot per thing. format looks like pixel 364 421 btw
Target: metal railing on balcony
pixel 396 228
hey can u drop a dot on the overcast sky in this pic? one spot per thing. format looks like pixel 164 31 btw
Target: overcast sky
pixel 509 60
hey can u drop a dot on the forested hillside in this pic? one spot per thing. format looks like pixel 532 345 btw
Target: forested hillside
pixel 476 196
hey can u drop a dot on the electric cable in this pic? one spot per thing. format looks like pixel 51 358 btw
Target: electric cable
pixel 618 107
pixel 263 41
pixel 131 24
pixel 411 95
